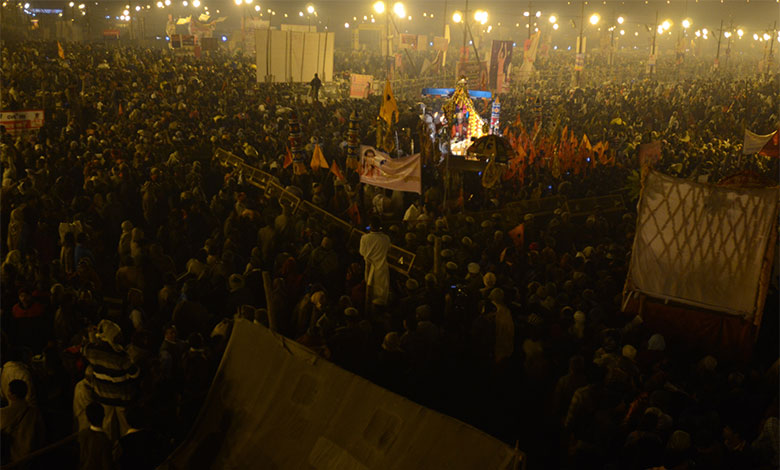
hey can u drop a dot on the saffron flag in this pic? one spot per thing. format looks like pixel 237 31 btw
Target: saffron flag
pixel 761 144
pixel 586 142
pixel 517 235
pixel 60 50
pixel 120 111
pixel 354 213
pixel 378 169
pixel 334 168
pixel 288 159
pixel 318 159
pixel 389 105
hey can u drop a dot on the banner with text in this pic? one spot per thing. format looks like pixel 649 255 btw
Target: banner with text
pixel 360 85
pixel 19 121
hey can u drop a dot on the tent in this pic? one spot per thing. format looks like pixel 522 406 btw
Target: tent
pixel 274 404
pixel 701 261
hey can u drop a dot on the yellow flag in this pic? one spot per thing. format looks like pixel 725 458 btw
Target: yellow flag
pixel 318 159
pixel 389 105
pixel 60 50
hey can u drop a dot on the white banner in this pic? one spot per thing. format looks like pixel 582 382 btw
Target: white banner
pixel 378 169
pixel 754 142
pixel 701 244
pixel 18 121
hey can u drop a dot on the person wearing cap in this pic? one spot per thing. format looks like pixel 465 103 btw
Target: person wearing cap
pixel 374 247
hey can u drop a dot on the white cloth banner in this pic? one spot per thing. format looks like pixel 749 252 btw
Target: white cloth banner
pixel 378 169
pixel 701 244
pixel 18 121
pixel 754 142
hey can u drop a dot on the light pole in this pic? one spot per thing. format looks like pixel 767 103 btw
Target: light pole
pixel 379 8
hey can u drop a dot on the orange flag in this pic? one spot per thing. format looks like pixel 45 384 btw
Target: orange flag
pixel 337 171
pixel 586 143
pixel 60 51
pixel 318 159
pixel 121 111
pixel 354 213
pixel 287 158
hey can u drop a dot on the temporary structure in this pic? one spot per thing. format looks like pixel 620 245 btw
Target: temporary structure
pixel 276 404
pixel 706 252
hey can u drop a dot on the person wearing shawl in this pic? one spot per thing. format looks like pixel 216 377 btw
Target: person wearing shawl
pixel 115 377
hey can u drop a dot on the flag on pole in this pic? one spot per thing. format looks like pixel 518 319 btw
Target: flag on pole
pixel 288 159
pixel 60 51
pixel 318 159
pixel 334 168
pixel 389 105
pixel 120 111
pixel 761 144
pixel 354 213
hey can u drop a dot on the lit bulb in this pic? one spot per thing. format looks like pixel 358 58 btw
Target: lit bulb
pixel 686 23
pixel 740 32
pixel 538 14
pixel 553 19
pixel 399 10
pixel 766 36
pixel 666 25
pixel 622 32
pixel 379 7
pixel 620 19
pixel 310 9
pixel 594 19
pixel 555 26
pixel 346 25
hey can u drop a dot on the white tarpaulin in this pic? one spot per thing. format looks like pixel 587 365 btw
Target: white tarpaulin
pixel 284 56
pixel 754 142
pixel 378 169
pixel 700 244
pixel 274 404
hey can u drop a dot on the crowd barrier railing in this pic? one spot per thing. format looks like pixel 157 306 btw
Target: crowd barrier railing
pixel 399 259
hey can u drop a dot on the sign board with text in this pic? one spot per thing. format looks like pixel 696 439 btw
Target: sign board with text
pixel 20 121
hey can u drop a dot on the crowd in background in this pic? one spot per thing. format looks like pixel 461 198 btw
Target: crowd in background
pixel 128 250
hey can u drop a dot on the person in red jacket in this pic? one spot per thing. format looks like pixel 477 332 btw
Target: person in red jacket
pixel 27 307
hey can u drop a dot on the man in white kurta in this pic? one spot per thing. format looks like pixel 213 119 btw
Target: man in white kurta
pixel 373 248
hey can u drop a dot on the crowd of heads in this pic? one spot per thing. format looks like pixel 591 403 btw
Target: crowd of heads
pixel 129 250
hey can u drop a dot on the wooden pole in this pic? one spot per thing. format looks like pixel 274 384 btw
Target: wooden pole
pixel 437 257
pixel 268 303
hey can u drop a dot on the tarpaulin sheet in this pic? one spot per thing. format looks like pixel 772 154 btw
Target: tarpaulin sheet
pixel 702 245
pixel 274 404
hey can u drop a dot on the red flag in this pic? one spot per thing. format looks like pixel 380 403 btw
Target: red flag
pixel 287 158
pixel 354 213
pixel 334 168
pixel 771 148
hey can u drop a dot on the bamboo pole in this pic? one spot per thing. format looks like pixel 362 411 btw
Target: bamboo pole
pixel 268 304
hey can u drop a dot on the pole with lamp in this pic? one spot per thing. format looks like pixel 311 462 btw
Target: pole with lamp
pixel 653 52
pixel 720 36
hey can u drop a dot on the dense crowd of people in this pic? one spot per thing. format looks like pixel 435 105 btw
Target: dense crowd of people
pixel 128 250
